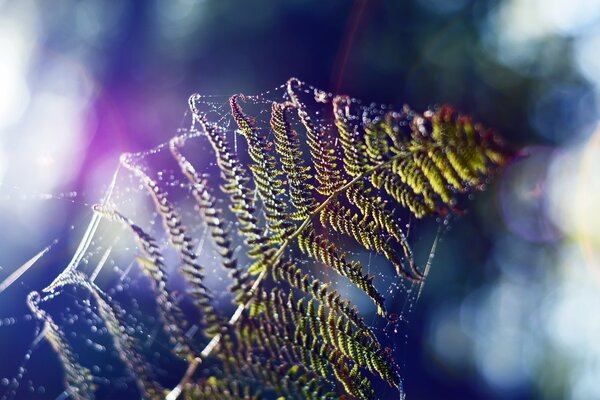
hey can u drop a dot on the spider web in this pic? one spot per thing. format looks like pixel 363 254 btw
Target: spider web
pixel 107 252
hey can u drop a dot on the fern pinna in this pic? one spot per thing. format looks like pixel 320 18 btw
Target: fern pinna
pixel 289 199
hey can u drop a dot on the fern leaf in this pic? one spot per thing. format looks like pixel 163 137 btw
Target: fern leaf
pixel 322 152
pixel 289 272
pixel 301 177
pixel 127 346
pixel 212 215
pixel 264 171
pixel 153 266
pixel 353 145
pixel 288 146
pixel 236 185
pixel 78 379
pixel 375 209
pixel 367 234
pixel 177 233
pixel 221 389
pixel 323 250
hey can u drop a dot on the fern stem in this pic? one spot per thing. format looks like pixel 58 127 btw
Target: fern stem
pixel 214 342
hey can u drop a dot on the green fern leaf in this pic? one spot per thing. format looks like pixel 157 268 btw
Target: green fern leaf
pixel 295 191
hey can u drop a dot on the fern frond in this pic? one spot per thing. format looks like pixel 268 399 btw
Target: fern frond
pixel 289 272
pixel 127 346
pixel 310 352
pixel 221 389
pixel 298 176
pixel 376 140
pixel 375 208
pixel 236 185
pixel 400 192
pixel 153 266
pixel 322 250
pixel 367 234
pixel 177 233
pixel 212 215
pixel 302 178
pixel 78 379
pixel 353 145
pixel 322 150
pixel 265 173
pixel 286 379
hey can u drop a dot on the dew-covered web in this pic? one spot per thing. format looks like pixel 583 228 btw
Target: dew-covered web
pixel 107 288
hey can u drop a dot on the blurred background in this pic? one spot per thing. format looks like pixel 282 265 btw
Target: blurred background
pixel 511 309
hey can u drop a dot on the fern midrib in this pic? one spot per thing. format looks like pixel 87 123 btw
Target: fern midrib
pixel 214 342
